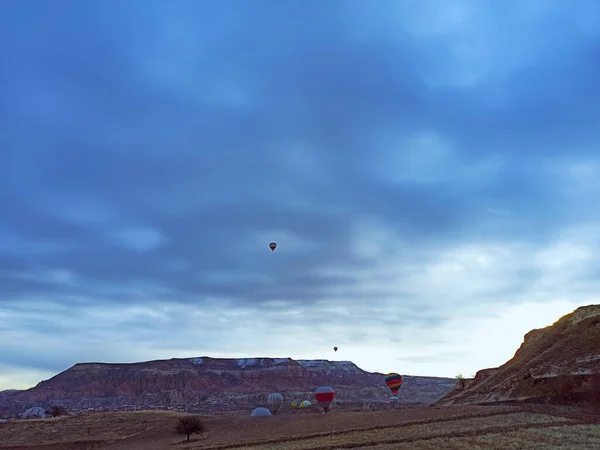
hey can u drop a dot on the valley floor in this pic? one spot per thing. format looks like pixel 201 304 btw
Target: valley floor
pixel 473 427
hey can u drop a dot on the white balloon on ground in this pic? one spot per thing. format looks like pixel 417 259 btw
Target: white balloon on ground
pixel 260 412
pixel 37 412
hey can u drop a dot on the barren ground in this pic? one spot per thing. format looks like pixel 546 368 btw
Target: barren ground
pixel 476 427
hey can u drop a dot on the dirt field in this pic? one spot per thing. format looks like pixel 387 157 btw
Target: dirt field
pixel 474 427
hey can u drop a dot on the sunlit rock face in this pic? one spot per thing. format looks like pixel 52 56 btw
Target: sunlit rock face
pixel 559 363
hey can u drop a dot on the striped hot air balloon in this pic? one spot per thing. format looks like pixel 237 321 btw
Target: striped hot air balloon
pixel 393 381
pixel 324 396
pixel 274 400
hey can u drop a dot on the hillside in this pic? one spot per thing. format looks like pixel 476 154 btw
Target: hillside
pixel 559 363
pixel 212 385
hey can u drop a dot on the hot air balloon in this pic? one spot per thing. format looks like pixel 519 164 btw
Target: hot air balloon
pixel 305 404
pixel 295 403
pixel 324 396
pixel 273 246
pixel 335 349
pixel 393 381
pixel 274 401
pixel 260 412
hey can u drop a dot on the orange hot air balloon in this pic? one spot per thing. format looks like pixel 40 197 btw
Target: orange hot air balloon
pixel 273 246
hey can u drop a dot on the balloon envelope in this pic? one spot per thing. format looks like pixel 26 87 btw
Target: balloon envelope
pixel 393 382
pixel 274 401
pixel 324 396
pixel 335 349
pixel 273 246
pixel 260 412
pixel 305 404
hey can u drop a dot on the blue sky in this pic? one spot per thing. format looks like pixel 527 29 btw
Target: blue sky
pixel 430 171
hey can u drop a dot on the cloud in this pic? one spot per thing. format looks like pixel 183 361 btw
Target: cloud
pixel 417 164
pixel 140 239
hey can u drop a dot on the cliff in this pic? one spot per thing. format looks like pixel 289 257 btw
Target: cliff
pixel 559 363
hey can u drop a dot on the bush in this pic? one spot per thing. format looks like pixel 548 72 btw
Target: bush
pixel 56 411
pixel 190 425
pixel 366 407
pixel 460 384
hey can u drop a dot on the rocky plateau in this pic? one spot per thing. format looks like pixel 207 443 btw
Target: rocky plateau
pixel 212 385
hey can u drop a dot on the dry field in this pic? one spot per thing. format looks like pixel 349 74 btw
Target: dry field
pixel 473 427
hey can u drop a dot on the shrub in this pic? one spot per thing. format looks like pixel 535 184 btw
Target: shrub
pixel 56 411
pixel 190 425
pixel 366 407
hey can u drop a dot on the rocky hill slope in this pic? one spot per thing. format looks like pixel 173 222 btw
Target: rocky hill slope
pixel 212 384
pixel 559 363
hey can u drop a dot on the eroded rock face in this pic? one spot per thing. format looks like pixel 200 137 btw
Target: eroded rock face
pixel 214 385
pixel 484 374
pixel 585 312
pixel 558 363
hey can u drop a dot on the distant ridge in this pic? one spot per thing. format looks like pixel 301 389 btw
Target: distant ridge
pixel 206 384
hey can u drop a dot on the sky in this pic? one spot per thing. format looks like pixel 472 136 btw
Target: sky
pixel 430 171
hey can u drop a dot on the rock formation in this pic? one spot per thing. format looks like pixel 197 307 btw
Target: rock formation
pixel 559 363
pixel 213 385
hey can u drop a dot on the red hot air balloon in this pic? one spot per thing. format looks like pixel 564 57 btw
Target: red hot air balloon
pixel 324 396
pixel 335 349
pixel 273 246
pixel 393 381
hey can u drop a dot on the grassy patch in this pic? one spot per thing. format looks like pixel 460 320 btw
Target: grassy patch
pixel 354 439
pixel 584 437
pixel 105 427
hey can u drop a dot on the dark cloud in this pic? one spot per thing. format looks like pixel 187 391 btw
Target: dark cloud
pixel 150 153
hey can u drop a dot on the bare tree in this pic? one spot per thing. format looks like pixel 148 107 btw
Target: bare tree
pixel 190 425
